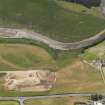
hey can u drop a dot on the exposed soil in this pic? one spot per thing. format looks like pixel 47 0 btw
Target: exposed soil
pixel 37 80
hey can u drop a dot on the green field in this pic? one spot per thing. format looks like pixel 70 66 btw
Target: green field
pixel 50 19
pixel 95 52
pixel 8 103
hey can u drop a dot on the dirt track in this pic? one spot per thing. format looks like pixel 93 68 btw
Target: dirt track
pixel 21 100
pixel 19 33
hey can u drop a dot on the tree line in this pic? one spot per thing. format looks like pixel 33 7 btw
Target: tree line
pixel 87 3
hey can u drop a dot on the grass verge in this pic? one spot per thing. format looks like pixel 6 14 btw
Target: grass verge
pixel 55 101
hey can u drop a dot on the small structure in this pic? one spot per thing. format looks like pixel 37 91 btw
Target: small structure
pixel 95 100
pixel 99 63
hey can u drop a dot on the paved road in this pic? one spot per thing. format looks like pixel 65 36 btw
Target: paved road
pixel 19 33
pixel 22 99
pixel 103 7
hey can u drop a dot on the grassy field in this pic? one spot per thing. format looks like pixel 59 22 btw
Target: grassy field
pixel 78 77
pixel 24 57
pixel 55 101
pixel 8 103
pixel 94 52
pixel 50 19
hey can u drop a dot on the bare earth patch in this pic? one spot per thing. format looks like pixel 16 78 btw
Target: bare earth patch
pixel 32 80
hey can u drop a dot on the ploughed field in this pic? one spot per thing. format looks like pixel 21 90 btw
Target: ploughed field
pixel 54 19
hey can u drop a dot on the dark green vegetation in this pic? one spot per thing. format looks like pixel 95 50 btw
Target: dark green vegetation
pixel 50 19
pixel 87 3
pixel 77 8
